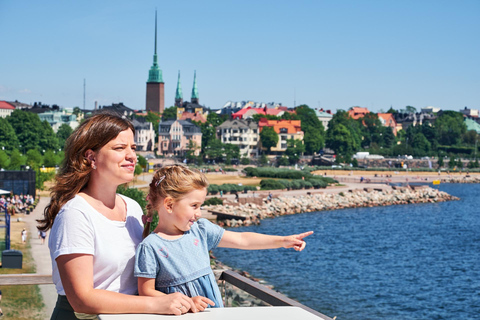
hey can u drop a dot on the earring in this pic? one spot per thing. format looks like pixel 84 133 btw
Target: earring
pixel 94 167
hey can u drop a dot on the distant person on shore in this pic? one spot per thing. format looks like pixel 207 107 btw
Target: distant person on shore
pixel 24 235
pixel 94 230
pixel 43 235
pixel 174 257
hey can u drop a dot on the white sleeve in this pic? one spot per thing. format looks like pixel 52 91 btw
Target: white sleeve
pixel 73 233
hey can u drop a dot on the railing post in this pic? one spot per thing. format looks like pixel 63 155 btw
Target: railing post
pixel 7 229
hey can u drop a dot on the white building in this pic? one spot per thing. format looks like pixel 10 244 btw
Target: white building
pixel 6 109
pixel 144 135
pixel 243 133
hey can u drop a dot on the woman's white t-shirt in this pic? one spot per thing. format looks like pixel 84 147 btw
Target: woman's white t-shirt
pixel 80 229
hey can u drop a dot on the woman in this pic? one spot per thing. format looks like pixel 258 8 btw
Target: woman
pixel 94 231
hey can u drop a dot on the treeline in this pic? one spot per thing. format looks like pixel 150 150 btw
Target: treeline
pixel 25 140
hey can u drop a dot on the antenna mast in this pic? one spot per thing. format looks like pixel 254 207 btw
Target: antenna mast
pixel 84 89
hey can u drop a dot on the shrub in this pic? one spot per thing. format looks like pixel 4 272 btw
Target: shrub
pixel 213 189
pixel 270 184
pixel 213 201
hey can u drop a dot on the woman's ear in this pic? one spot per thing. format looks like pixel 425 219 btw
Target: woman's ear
pixel 90 156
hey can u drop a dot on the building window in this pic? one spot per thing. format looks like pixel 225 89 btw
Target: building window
pixel 284 146
pixel 283 130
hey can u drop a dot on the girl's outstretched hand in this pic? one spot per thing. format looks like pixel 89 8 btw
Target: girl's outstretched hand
pixel 296 241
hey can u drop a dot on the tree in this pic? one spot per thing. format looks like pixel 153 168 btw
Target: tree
pixel 191 150
pixel 34 159
pixel 410 109
pixel 8 138
pixel 232 152
pixel 4 159
pixel 142 161
pixel 295 148
pixel 49 159
pixel 48 139
pixel 27 127
pixel 314 132
pixel 169 113
pixel 16 160
pixel 450 128
pixel 214 150
pixel 154 118
pixel 341 141
pixel 268 138
pixel 64 131
pixel 342 117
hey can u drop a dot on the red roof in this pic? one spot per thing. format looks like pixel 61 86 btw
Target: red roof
pixel 6 105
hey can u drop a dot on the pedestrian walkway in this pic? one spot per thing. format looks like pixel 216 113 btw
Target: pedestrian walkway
pixel 41 255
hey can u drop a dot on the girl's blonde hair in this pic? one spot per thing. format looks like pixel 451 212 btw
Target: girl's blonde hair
pixel 174 181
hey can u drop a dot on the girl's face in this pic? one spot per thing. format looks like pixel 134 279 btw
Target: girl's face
pixel 187 210
pixel 116 160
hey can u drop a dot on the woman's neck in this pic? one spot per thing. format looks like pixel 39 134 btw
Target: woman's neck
pixel 103 193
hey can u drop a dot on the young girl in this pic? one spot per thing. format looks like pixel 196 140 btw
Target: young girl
pixel 174 257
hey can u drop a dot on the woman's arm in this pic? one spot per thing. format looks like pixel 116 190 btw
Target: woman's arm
pixel 255 241
pixel 76 273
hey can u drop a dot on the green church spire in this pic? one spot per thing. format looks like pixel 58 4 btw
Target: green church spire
pixel 179 94
pixel 155 73
pixel 194 89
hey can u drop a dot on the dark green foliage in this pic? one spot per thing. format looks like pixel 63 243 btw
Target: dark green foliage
pixel 229 187
pixel 41 178
pixel 64 131
pixel 135 194
pixel 275 173
pixel 169 113
pixel 270 184
pixel 213 201
pixel 268 137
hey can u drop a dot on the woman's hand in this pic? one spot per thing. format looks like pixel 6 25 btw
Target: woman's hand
pixel 296 241
pixel 202 302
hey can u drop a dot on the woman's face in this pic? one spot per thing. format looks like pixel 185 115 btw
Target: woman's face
pixel 116 160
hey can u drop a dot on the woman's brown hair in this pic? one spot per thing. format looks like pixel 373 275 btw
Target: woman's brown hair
pixel 173 181
pixel 74 174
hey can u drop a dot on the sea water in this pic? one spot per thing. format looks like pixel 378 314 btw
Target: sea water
pixel 416 261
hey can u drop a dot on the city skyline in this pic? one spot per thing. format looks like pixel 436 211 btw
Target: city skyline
pixel 326 54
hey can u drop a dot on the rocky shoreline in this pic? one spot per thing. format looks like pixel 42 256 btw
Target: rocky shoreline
pixel 251 213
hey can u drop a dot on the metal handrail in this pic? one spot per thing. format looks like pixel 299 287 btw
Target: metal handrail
pixel 254 288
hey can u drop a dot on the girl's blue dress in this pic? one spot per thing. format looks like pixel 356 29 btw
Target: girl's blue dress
pixel 182 265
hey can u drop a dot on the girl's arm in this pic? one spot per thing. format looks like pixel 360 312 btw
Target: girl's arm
pixel 76 273
pixel 255 241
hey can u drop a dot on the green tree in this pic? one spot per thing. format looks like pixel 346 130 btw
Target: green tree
pixel 355 128
pixel 155 119
pixel 169 113
pixel 8 138
pixel 64 131
pixel 192 147
pixel 142 161
pixel 48 138
pixel 295 148
pixel 314 132
pixel 4 159
pixel 440 162
pixel 34 159
pixel 268 138
pixel 341 141
pixel 214 150
pixel 232 152
pixel 27 127
pixel 410 109
pixel 16 160
pixel 49 159
pixel 450 128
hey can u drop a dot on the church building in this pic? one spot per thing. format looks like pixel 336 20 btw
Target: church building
pixel 155 101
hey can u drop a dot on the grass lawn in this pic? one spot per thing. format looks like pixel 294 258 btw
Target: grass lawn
pixel 21 302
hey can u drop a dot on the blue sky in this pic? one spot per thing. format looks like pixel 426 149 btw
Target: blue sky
pixel 328 54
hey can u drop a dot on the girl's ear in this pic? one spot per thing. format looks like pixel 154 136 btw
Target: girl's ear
pixel 168 204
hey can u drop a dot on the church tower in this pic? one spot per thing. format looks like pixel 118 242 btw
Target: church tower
pixel 194 89
pixel 155 85
pixel 178 94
